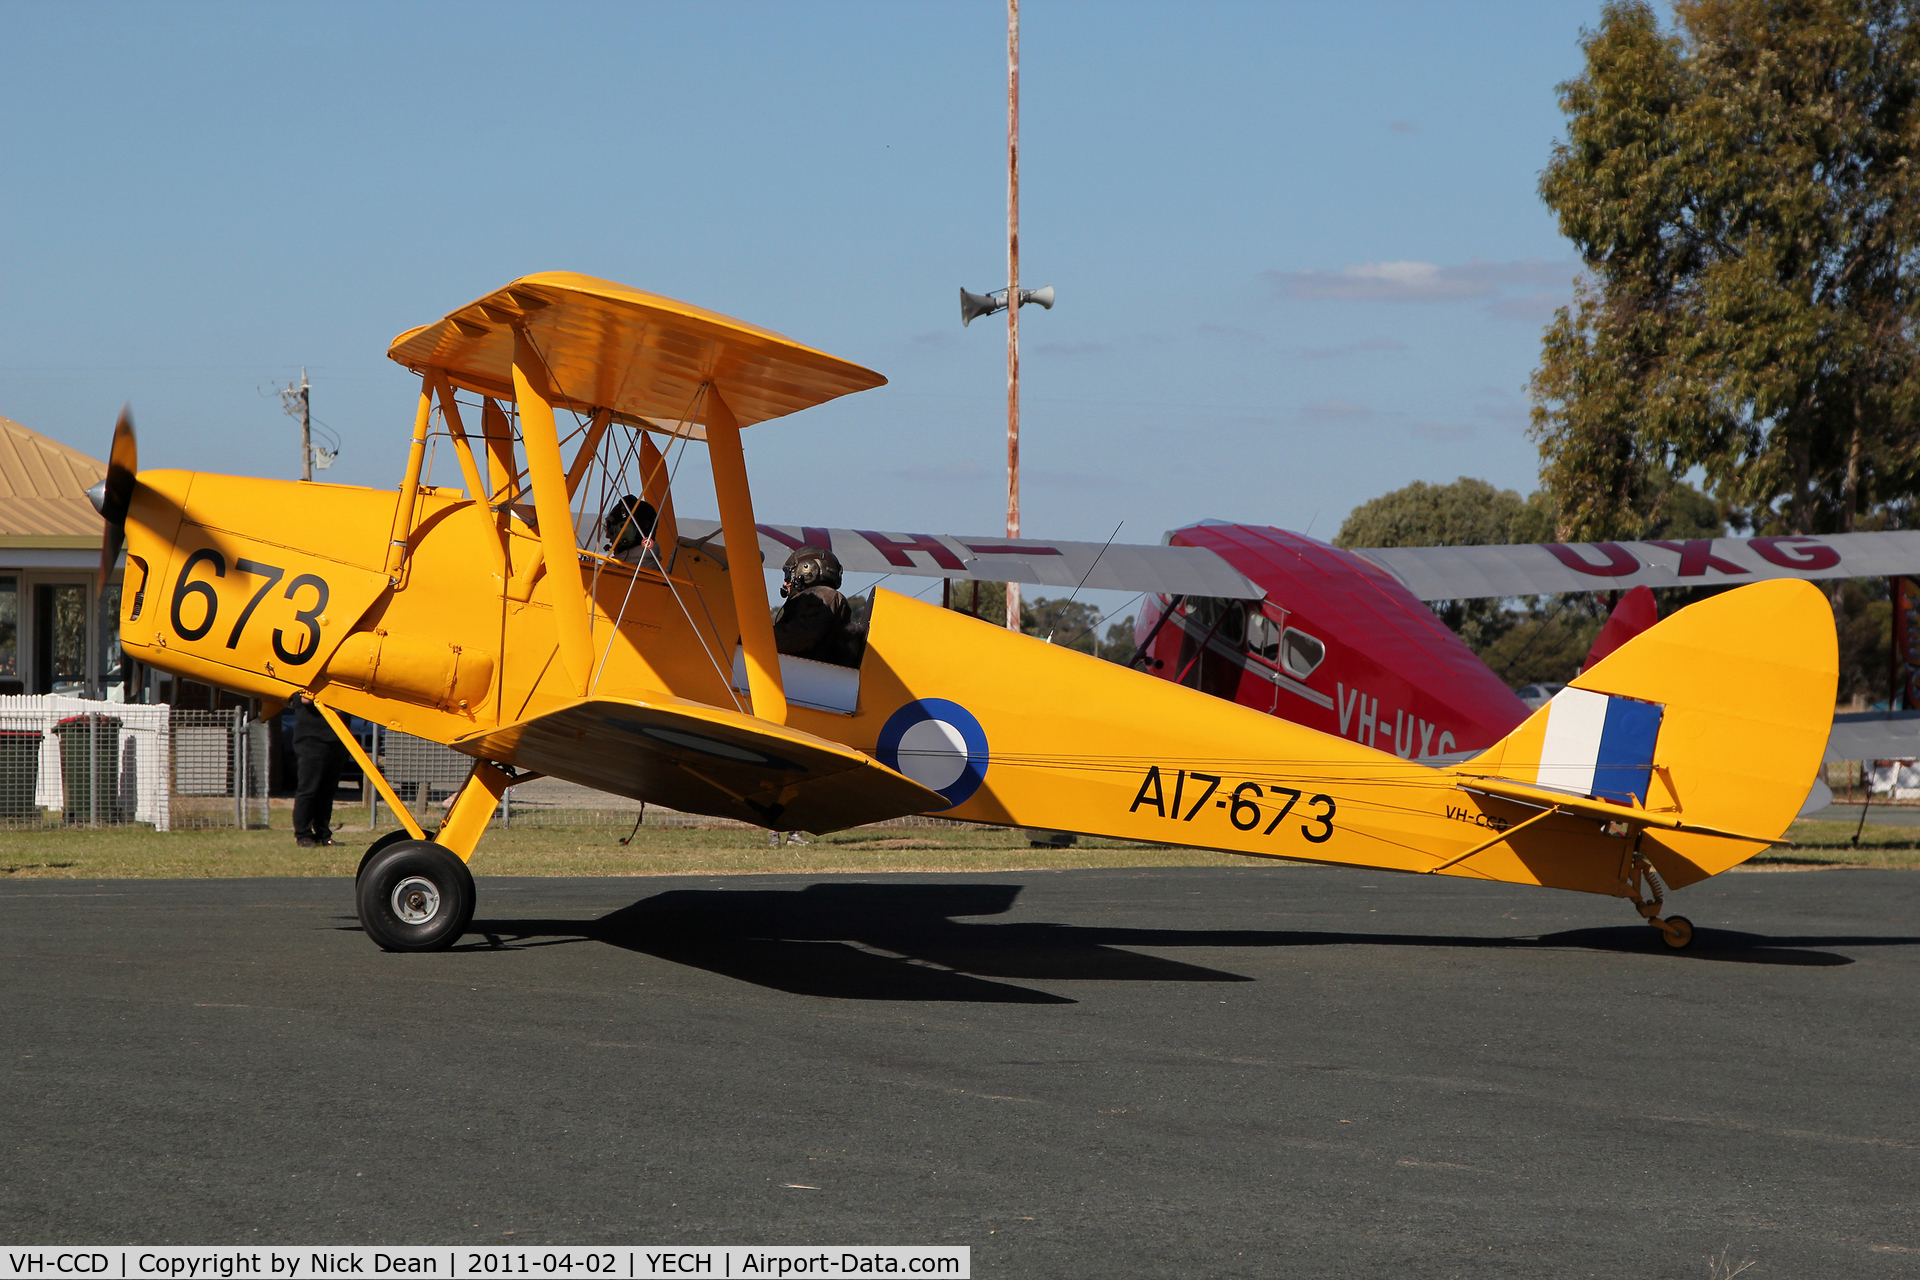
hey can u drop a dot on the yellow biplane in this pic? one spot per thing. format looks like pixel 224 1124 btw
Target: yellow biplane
pixel 487 616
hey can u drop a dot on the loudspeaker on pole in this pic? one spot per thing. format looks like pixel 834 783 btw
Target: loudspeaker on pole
pixel 975 305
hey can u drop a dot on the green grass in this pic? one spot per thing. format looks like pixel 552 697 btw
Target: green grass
pixel 1830 844
pixel 140 853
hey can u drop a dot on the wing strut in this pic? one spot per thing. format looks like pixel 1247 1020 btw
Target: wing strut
pixel 1140 650
pixel 743 542
pixel 470 472
pixel 410 483
pixel 352 745
pixel 540 437
pixel 589 449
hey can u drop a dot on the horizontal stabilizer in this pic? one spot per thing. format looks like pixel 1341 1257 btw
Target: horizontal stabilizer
pixel 701 759
pixel 1601 809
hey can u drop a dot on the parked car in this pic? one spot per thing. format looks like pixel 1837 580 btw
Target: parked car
pixel 1536 696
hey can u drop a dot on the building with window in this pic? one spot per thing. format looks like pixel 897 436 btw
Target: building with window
pixel 57 635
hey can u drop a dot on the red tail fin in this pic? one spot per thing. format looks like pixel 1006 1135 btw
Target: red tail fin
pixel 1634 614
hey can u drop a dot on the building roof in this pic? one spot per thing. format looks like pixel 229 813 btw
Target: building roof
pixel 43 491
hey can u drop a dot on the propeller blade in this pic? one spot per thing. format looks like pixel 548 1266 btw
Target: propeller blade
pixel 114 494
pixel 114 539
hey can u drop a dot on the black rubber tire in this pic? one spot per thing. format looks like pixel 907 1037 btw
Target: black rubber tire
pixel 1679 932
pixel 386 841
pixel 420 878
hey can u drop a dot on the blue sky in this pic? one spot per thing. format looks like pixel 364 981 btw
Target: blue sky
pixel 1299 255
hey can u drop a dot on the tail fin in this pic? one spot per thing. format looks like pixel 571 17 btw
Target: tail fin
pixel 1717 716
pixel 1636 612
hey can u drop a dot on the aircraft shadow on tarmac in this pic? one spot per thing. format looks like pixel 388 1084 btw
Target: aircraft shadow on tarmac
pixel 904 942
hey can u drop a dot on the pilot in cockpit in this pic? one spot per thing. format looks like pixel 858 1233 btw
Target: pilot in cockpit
pixel 816 621
pixel 629 528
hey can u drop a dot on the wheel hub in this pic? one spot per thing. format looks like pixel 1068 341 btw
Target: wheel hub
pixel 416 900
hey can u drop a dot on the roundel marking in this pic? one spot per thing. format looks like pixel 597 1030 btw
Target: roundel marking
pixel 939 745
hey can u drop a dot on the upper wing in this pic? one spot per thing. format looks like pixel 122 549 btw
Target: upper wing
pixel 638 354
pixel 1456 573
pixel 702 759
pixel 1176 571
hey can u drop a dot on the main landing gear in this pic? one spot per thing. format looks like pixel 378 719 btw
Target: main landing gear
pixel 413 890
pixel 1676 930
pixel 414 895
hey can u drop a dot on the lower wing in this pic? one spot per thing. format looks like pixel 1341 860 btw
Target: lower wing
pixel 703 759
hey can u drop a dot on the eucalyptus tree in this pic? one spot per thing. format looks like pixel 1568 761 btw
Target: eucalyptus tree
pixel 1742 192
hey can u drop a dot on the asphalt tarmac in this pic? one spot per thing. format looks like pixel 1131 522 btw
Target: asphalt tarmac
pixel 1259 1071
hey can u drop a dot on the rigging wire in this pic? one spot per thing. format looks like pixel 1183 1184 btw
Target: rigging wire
pixel 683 439
pixel 1102 618
pixel 686 422
pixel 726 674
pixel 1091 568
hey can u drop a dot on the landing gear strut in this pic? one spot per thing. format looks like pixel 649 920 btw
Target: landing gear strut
pixel 1677 930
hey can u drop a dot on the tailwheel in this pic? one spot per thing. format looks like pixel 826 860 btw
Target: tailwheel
pixel 415 895
pixel 1678 931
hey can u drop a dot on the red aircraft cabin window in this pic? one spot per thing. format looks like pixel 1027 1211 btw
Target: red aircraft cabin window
pixel 1263 637
pixel 1300 653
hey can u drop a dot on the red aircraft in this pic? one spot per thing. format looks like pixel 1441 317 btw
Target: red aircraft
pixel 1343 641
pixel 1341 645
pixel 1337 644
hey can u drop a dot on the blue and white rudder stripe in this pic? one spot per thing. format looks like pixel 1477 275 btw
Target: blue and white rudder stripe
pixel 1599 745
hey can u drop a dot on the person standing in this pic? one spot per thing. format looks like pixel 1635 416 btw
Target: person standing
pixel 318 760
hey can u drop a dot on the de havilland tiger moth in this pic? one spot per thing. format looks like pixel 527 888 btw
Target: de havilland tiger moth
pixel 487 615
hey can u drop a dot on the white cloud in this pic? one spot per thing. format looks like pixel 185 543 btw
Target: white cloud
pixel 1427 282
pixel 1525 273
pixel 1375 282
pixel 1403 126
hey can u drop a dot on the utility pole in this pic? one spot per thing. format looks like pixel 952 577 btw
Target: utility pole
pixel 1013 296
pixel 306 426
pixel 301 398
